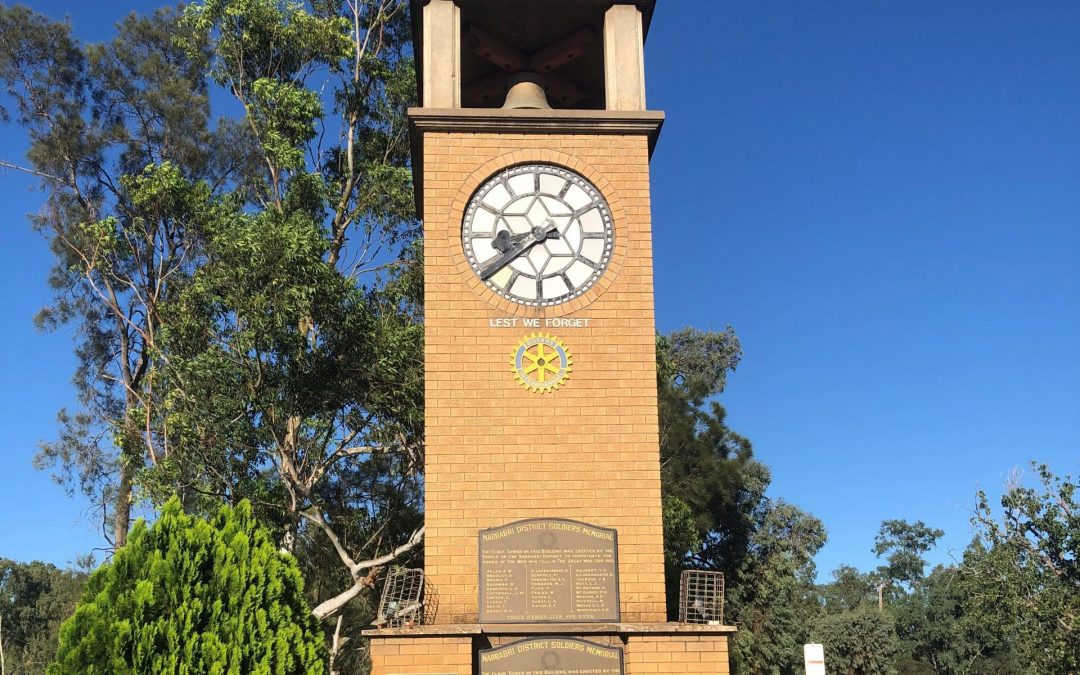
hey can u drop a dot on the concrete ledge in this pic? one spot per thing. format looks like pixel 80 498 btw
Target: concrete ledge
pixel 496 120
pixel 473 629
pixel 538 121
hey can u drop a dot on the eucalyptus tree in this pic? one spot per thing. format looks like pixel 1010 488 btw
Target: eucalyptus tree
pixel 903 545
pixel 118 136
pixel 850 589
pixel 246 290
pixel 295 353
pixel 858 642
pixel 1021 577
pixel 773 599
pixel 35 598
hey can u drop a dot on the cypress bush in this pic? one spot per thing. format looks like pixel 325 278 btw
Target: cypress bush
pixel 190 596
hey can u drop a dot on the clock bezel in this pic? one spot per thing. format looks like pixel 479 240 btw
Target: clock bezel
pixel 599 282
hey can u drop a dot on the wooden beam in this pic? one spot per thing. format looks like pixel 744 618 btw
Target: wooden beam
pixel 492 49
pixel 562 52
pixel 490 89
pixel 561 89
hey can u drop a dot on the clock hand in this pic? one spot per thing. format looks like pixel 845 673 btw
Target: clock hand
pixel 498 263
pixel 504 240
pixel 516 247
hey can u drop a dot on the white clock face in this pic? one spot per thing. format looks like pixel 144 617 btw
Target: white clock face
pixel 538 234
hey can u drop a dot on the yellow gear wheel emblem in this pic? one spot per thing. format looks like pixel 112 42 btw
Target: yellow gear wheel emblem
pixel 541 363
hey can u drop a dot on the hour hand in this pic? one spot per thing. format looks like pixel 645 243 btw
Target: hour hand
pixel 512 251
pixel 504 241
pixel 515 246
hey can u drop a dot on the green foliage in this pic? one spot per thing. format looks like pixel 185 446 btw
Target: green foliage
pixel 937 629
pixel 190 596
pixel 98 116
pixel 34 599
pixel 698 361
pixel 710 481
pixel 256 39
pixel 859 642
pixel 680 532
pixel 904 544
pixel 247 291
pixel 295 352
pixel 716 514
pixel 285 115
pixel 850 589
pixel 1022 577
pixel 937 625
pixel 772 596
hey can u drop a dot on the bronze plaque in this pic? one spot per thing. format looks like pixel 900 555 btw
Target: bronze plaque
pixel 549 570
pixel 552 656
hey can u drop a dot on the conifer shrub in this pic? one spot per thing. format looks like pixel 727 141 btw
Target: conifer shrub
pixel 190 596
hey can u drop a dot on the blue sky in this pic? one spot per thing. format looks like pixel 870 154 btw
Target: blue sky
pixel 881 198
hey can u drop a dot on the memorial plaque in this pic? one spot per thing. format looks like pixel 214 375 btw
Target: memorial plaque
pixel 552 656
pixel 549 570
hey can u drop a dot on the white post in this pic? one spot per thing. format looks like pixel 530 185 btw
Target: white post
pixel 814 657
pixel 442 54
pixel 624 61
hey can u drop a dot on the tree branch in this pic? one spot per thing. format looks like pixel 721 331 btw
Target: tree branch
pixel 33 172
pixel 334 604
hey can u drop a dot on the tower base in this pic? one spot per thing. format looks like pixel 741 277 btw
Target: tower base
pixel 649 649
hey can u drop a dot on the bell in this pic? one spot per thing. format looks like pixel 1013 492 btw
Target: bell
pixel 526 91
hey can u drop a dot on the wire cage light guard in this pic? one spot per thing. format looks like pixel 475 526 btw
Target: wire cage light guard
pixel 701 597
pixel 402 602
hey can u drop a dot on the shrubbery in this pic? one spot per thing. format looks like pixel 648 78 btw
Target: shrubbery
pixel 190 596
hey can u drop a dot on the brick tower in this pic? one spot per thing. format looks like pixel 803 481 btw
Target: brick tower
pixel 531 164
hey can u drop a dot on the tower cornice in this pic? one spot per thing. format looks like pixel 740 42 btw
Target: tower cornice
pixel 482 120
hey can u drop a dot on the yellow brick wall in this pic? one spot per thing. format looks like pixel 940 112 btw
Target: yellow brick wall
pixel 497 453
pixel 422 656
pixel 643 654
pixel 676 654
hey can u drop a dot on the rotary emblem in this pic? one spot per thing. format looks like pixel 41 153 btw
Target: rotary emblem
pixel 541 363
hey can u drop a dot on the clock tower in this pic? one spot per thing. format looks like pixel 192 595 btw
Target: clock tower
pixel 531 165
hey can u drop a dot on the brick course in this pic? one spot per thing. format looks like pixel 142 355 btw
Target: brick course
pixel 643 654
pixel 427 656
pixel 677 654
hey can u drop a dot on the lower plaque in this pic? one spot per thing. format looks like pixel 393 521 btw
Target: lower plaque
pixel 551 656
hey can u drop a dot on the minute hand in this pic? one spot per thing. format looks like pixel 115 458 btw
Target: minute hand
pixel 538 234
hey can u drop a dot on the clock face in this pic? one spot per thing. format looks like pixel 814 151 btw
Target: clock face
pixel 538 234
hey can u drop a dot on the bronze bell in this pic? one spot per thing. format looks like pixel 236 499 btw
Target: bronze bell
pixel 526 91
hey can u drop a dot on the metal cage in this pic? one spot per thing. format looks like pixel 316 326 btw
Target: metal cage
pixel 402 602
pixel 701 597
